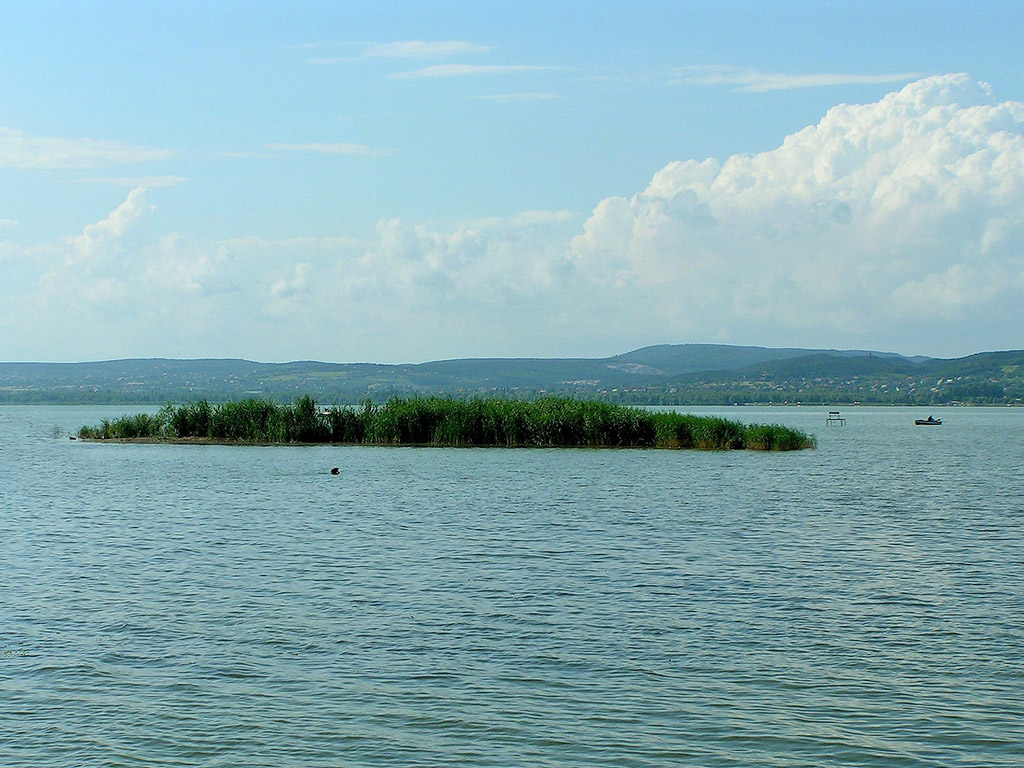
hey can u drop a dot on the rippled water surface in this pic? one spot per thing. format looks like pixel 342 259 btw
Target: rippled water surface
pixel 857 605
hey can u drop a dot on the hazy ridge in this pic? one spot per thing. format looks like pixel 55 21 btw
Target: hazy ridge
pixel 667 373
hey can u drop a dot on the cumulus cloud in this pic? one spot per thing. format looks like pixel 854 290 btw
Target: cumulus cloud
pixel 403 293
pixel 69 295
pixel 295 284
pixel 20 150
pixel 895 224
pixel 909 209
pixel 117 290
pixel 96 239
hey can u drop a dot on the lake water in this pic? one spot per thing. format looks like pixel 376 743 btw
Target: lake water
pixel 857 605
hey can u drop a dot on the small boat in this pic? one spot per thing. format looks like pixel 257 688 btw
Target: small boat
pixel 931 420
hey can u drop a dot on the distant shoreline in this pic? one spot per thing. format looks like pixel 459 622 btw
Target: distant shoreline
pixel 686 375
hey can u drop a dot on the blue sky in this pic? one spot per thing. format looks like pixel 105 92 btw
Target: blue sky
pixel 411 181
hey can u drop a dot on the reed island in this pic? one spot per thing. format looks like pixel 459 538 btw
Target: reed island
pixel 445 421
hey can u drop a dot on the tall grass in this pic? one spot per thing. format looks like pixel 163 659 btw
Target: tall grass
pixel 551 421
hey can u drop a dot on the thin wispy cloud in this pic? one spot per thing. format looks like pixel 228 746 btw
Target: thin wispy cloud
pixel 240 154
pixel 399 49
pixel 21 150
pixel 150 182
pixel 325 148
pixel 460 70
pixel 511 97
pixel 422 49
pixel 332 59
pixel 752 80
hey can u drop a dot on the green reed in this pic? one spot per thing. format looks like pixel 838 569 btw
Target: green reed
pixel 445 421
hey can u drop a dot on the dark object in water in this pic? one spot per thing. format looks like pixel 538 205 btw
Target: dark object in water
pixel 335 471
pixel 931 420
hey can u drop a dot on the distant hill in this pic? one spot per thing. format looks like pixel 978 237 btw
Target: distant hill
pixel 676 359
pixel 823 365
pixel 667 373
pixel 989 378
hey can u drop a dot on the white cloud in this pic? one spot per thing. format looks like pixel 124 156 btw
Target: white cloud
pixel 125 294
pixel 20 150
pixel 97 238
pixel 400 49
pixel 897 224
pixel 322 148
pixel 420 49
pixel 907 211
pixel 296 283
pixel 509 97
pixel 752 80
pixel 459 70
pixel 522 219
pixel 150 182
pixel 92 271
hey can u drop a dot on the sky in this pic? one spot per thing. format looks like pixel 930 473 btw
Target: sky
pixel 410 181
